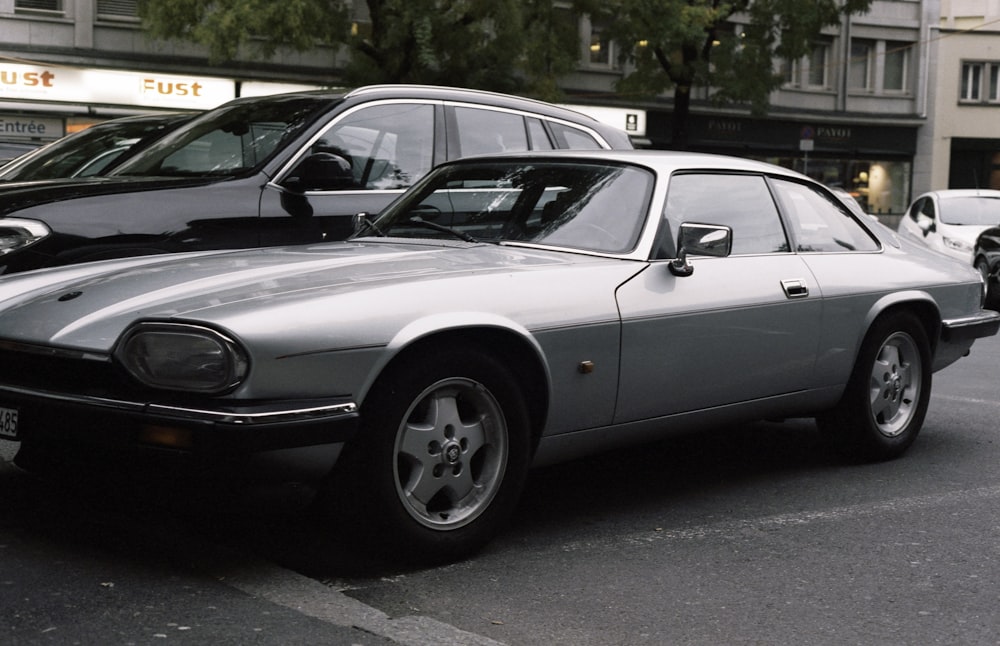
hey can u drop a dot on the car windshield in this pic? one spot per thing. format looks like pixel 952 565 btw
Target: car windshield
pixel 593 206
pixel 229 141
pixel 972 210
pixel 91 151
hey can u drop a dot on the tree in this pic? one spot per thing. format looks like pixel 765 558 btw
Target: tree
pixel 681 44
pixel 502 45
pixel 228 27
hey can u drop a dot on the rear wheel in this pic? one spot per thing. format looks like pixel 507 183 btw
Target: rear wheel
pixel 884 404
pixel 440 460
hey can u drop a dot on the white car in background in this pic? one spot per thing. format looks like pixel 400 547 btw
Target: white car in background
pixel 950 220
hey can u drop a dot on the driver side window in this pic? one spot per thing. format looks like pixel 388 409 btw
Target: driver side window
pixel 740 202
pixel 387 146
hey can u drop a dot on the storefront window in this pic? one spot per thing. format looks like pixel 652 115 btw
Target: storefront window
pixel 881 187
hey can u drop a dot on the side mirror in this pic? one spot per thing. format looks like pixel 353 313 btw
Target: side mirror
pixel 700 240
pixel 321 172
pixel 926 224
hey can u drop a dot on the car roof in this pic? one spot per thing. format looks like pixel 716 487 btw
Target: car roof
pixel 661 161
pixel 948 193
pixel 616 136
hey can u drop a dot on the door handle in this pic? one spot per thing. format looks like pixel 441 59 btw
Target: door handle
pixel 795 288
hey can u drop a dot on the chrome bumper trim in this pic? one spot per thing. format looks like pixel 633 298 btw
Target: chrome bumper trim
pixel 250 415
pixel 985 323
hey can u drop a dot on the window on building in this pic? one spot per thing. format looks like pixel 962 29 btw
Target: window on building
pixel 980 82
pixel 897 59
pixel 972 80
pixel 859 73
pixel 35 5
pixel 816 66
pixel 600 48
pixel 118 8
pixel 790 72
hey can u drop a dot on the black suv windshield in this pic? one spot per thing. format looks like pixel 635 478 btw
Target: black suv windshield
pixel 229 141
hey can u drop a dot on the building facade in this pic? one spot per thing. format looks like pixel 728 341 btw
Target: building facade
pixel 65 64
pixel 850 114
pixel 854 113
pixel 960 147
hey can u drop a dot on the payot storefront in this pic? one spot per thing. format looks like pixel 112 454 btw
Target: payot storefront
pixel 874 163
pixel 40 103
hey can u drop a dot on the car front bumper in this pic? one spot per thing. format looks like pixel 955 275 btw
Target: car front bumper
pixel 85 429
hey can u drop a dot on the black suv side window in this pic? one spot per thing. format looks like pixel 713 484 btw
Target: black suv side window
pixel 388 146
pixel 570 137
pixel 489 131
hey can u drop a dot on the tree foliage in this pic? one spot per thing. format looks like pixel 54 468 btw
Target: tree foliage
pixel 522 46
pixel 227 27
pixel 503 45
pixel 728 46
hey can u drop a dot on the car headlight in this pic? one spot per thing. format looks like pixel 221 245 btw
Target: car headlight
pixel 180 356
pixel 956 244
pixel 16 233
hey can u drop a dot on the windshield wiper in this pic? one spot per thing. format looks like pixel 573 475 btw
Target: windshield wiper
pixel 364 221
pixel 420 222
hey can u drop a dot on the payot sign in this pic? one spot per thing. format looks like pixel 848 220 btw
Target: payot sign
pixel 90 86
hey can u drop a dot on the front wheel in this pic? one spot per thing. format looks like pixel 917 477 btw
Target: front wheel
pixel 441 457
pixel 988 296
pixel 884 404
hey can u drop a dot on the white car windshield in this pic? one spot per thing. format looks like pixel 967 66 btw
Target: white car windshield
pixel 593 206
pixel 972 210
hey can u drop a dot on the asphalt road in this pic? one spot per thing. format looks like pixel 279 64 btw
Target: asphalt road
pixel 746 535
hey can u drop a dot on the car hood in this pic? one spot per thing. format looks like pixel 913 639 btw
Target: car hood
pixel 87 306
pixel 21 195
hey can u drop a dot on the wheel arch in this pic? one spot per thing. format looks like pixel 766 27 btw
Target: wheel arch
pixel 518 349
pixel 918 303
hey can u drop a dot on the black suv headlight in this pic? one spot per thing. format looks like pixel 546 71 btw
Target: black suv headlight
pixel 181 356
pixel 16 233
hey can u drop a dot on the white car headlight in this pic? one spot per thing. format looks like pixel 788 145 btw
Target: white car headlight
pixel 16 233
pixel 956 244
pixel 178 356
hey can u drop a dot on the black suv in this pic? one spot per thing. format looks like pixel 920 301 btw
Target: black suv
pixel 283 169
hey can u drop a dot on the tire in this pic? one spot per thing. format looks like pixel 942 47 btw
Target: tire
pixel 990 297
pixel 440 461
pixel 885 401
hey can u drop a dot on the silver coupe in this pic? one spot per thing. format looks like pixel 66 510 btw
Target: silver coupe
pixel 506 311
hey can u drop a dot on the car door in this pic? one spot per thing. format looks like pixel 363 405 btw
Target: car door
pixel 740 328
pixel 848 266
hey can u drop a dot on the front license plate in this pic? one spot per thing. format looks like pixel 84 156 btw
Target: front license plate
pixel 8 423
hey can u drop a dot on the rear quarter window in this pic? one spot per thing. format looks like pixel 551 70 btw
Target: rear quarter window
pixel 818 222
